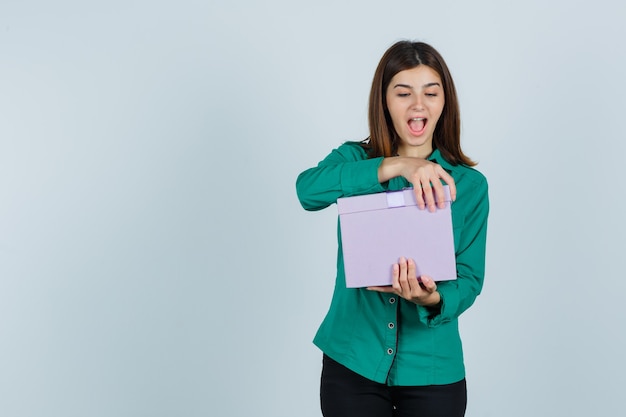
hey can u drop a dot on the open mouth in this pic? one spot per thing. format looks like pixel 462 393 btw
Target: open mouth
pixel 417 125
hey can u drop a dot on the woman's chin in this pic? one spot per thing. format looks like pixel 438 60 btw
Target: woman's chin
pixel 417 141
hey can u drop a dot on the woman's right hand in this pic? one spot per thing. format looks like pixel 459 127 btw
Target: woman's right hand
pixel 425 176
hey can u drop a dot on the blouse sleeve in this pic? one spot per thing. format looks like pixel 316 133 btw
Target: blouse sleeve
pixel 343 173
pixel 458 295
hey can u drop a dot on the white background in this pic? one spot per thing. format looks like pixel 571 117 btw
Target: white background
pixel 155 261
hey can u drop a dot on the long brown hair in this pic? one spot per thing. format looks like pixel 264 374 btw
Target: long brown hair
pixel 383 140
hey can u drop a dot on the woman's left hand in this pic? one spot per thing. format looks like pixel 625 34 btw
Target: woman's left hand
pixel 406 284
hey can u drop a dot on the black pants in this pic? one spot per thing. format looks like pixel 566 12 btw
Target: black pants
pixel 344 393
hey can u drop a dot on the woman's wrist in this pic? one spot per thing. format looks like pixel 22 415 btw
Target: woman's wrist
pixel 389 168
pixel 433 300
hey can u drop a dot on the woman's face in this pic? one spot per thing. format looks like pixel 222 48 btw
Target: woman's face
pixel 415 101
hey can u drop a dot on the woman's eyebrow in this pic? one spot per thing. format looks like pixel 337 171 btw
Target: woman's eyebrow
pixel 433 84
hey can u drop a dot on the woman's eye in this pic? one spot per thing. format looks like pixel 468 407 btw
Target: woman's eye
pixel 403 94
pixel 431 94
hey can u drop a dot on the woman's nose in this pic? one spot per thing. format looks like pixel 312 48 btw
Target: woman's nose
pixel 418 104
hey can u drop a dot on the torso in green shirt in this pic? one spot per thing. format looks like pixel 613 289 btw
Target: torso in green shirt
pixel 382 336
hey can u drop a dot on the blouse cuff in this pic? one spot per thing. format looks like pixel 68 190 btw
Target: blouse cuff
pixel 444 311
pixel 361 177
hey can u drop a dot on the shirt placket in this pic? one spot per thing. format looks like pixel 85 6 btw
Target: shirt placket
pixel 391 331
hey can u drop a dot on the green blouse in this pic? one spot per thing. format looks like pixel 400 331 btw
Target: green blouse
pixel 382 336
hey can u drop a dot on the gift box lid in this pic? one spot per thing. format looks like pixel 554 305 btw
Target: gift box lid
pixel 380 201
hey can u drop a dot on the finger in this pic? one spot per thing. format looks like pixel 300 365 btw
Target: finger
pixel 447 178
pixel 419 198
pixel 428 283
pixel 412 277
pixel 411 269
pixel 439 193
pixel 387 289
pixel 395 279
pixel 429 198
pixel 402 276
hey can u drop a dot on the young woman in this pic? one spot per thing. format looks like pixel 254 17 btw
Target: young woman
pixel 396 351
